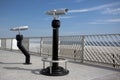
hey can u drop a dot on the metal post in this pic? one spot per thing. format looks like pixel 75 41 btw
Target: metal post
pixel 41 43
pixel 11 43
pixel 55 25
pixel 83 45
pixel 19 39
pixel 54 69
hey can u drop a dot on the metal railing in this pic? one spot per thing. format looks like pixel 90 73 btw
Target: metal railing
pixel 85 48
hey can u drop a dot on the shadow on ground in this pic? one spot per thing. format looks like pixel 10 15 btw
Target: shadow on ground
pixel 10 63
pixel 97 66
pixel 34 71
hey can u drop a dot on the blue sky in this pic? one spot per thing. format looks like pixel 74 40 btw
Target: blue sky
pixel 83 17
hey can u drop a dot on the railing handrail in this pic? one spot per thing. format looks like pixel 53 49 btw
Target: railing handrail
pixel 64 36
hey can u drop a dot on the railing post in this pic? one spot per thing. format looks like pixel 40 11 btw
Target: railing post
pixel 3 43
pixel 41 43
pixel 26 43
pixel 0 43
pixel 59 47
pixel 82 51
pixel 11 43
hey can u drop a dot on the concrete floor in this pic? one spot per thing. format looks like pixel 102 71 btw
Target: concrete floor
pixel 12 68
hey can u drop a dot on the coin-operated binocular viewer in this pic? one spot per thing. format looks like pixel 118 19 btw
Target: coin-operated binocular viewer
pixel 19 39
pixel 54 69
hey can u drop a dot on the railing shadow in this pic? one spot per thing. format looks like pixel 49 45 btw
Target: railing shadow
pixel 97 66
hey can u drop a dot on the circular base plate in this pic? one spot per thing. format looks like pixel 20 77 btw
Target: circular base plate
pixel 27 63
pixel 58 71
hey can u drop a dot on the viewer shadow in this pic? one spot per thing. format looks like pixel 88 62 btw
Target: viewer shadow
pixel 9 63
pixel 34 71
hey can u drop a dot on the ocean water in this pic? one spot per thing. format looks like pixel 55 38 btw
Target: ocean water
pixel 87 43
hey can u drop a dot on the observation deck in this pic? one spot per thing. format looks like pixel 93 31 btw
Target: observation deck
pixel 90 57
pixel 12 68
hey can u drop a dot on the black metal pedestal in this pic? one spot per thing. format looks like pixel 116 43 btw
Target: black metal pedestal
pixel 19 39
pixel 56 69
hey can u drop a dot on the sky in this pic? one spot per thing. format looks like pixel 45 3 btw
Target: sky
pixel 84 17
